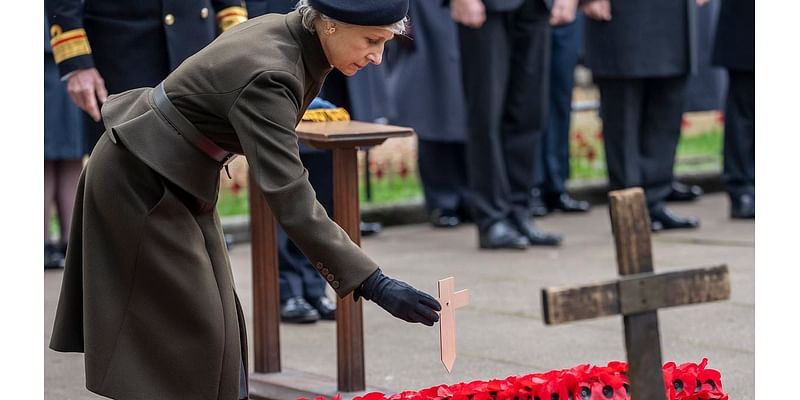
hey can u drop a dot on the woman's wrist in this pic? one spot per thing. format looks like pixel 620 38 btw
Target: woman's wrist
pixel 367 288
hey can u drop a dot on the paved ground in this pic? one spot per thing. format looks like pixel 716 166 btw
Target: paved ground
pixel 501 332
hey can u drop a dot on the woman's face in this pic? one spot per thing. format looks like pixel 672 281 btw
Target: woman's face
pixel 350 48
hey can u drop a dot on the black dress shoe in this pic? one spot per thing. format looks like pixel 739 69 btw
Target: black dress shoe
pixel 502 235
pixel 682 192
pixel 325 307
pixel 743 206
pixel 54 255
pixel 370 228
pixel 535 237
pixel 566 203
pixel 442 218
pixel 297 311
pixel 663 218
pixel 538 208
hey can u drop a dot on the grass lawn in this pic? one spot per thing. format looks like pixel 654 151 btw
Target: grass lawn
pixel 696 153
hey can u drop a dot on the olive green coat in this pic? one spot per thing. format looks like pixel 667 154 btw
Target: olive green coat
pixel 147 292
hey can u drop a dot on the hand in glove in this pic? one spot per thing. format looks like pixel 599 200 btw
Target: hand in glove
pixel 399 299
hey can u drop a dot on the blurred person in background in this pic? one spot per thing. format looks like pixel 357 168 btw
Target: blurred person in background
pixel 64 148
pixel 641 54
pixel 425 84
pixel 734 49
pixel 705 89
pixel 552 163
pixel 504 64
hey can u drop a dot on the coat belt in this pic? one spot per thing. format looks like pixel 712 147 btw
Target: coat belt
pixel 185 128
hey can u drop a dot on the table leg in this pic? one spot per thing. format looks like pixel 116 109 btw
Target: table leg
pixel 266 296
pixel 349 321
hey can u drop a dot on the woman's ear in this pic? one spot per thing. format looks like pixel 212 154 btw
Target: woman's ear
pixel 330 28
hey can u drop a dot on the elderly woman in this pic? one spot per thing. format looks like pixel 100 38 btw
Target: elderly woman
pixel 148 294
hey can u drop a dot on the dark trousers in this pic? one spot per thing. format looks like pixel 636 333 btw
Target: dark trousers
pixel 552 161
pixel 739 166
pixel 442 170
pixel 504 67
pixel 297 277
pixel 641 129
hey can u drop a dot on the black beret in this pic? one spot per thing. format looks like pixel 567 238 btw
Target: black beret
pixel 363 12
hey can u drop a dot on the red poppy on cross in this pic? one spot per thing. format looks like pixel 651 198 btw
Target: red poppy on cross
pixel 450 301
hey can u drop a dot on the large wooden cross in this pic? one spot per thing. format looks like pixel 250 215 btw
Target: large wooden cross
pixel 637 295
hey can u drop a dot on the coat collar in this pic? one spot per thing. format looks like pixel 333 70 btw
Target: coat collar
pixel 314 59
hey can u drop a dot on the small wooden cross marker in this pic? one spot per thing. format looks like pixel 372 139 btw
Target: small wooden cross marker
pixel 450 301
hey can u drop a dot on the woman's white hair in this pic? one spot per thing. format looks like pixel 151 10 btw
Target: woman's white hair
pixel 310 14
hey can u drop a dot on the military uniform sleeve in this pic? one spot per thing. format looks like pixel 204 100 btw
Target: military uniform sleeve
pixel 68 40
pixel 229 13
pixel 264 117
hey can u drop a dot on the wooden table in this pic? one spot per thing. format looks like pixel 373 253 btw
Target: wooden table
pixel 269 381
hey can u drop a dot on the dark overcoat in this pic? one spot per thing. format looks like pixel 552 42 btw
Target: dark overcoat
pixel 644 39
pixel 508 5
pixel 735 46
pixel 424 79
pixel 148 294
pixel 706 87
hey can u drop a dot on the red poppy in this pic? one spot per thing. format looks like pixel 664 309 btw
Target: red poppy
pixel 443 391
pixel 371 396
pixel 379 172
pixel 710 379
pixel 403 170
pixel 236 187
pixel 590 154
pixel 602 391
pixel 403 395
pixel 579 137
pixel 464 396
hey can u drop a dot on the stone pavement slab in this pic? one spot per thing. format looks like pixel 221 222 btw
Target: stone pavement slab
pixel 501 332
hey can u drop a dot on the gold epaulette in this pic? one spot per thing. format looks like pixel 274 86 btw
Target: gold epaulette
pixel 326 114
pixel 69 44
pixel 231 16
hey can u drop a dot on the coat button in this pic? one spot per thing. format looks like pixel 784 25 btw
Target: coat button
pixel 335 284
pixel 325 271
pixel 204 13
pixel 319 265
pixel 169 19
pixel 330 277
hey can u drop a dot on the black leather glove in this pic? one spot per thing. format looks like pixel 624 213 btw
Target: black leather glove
pixel 399 299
